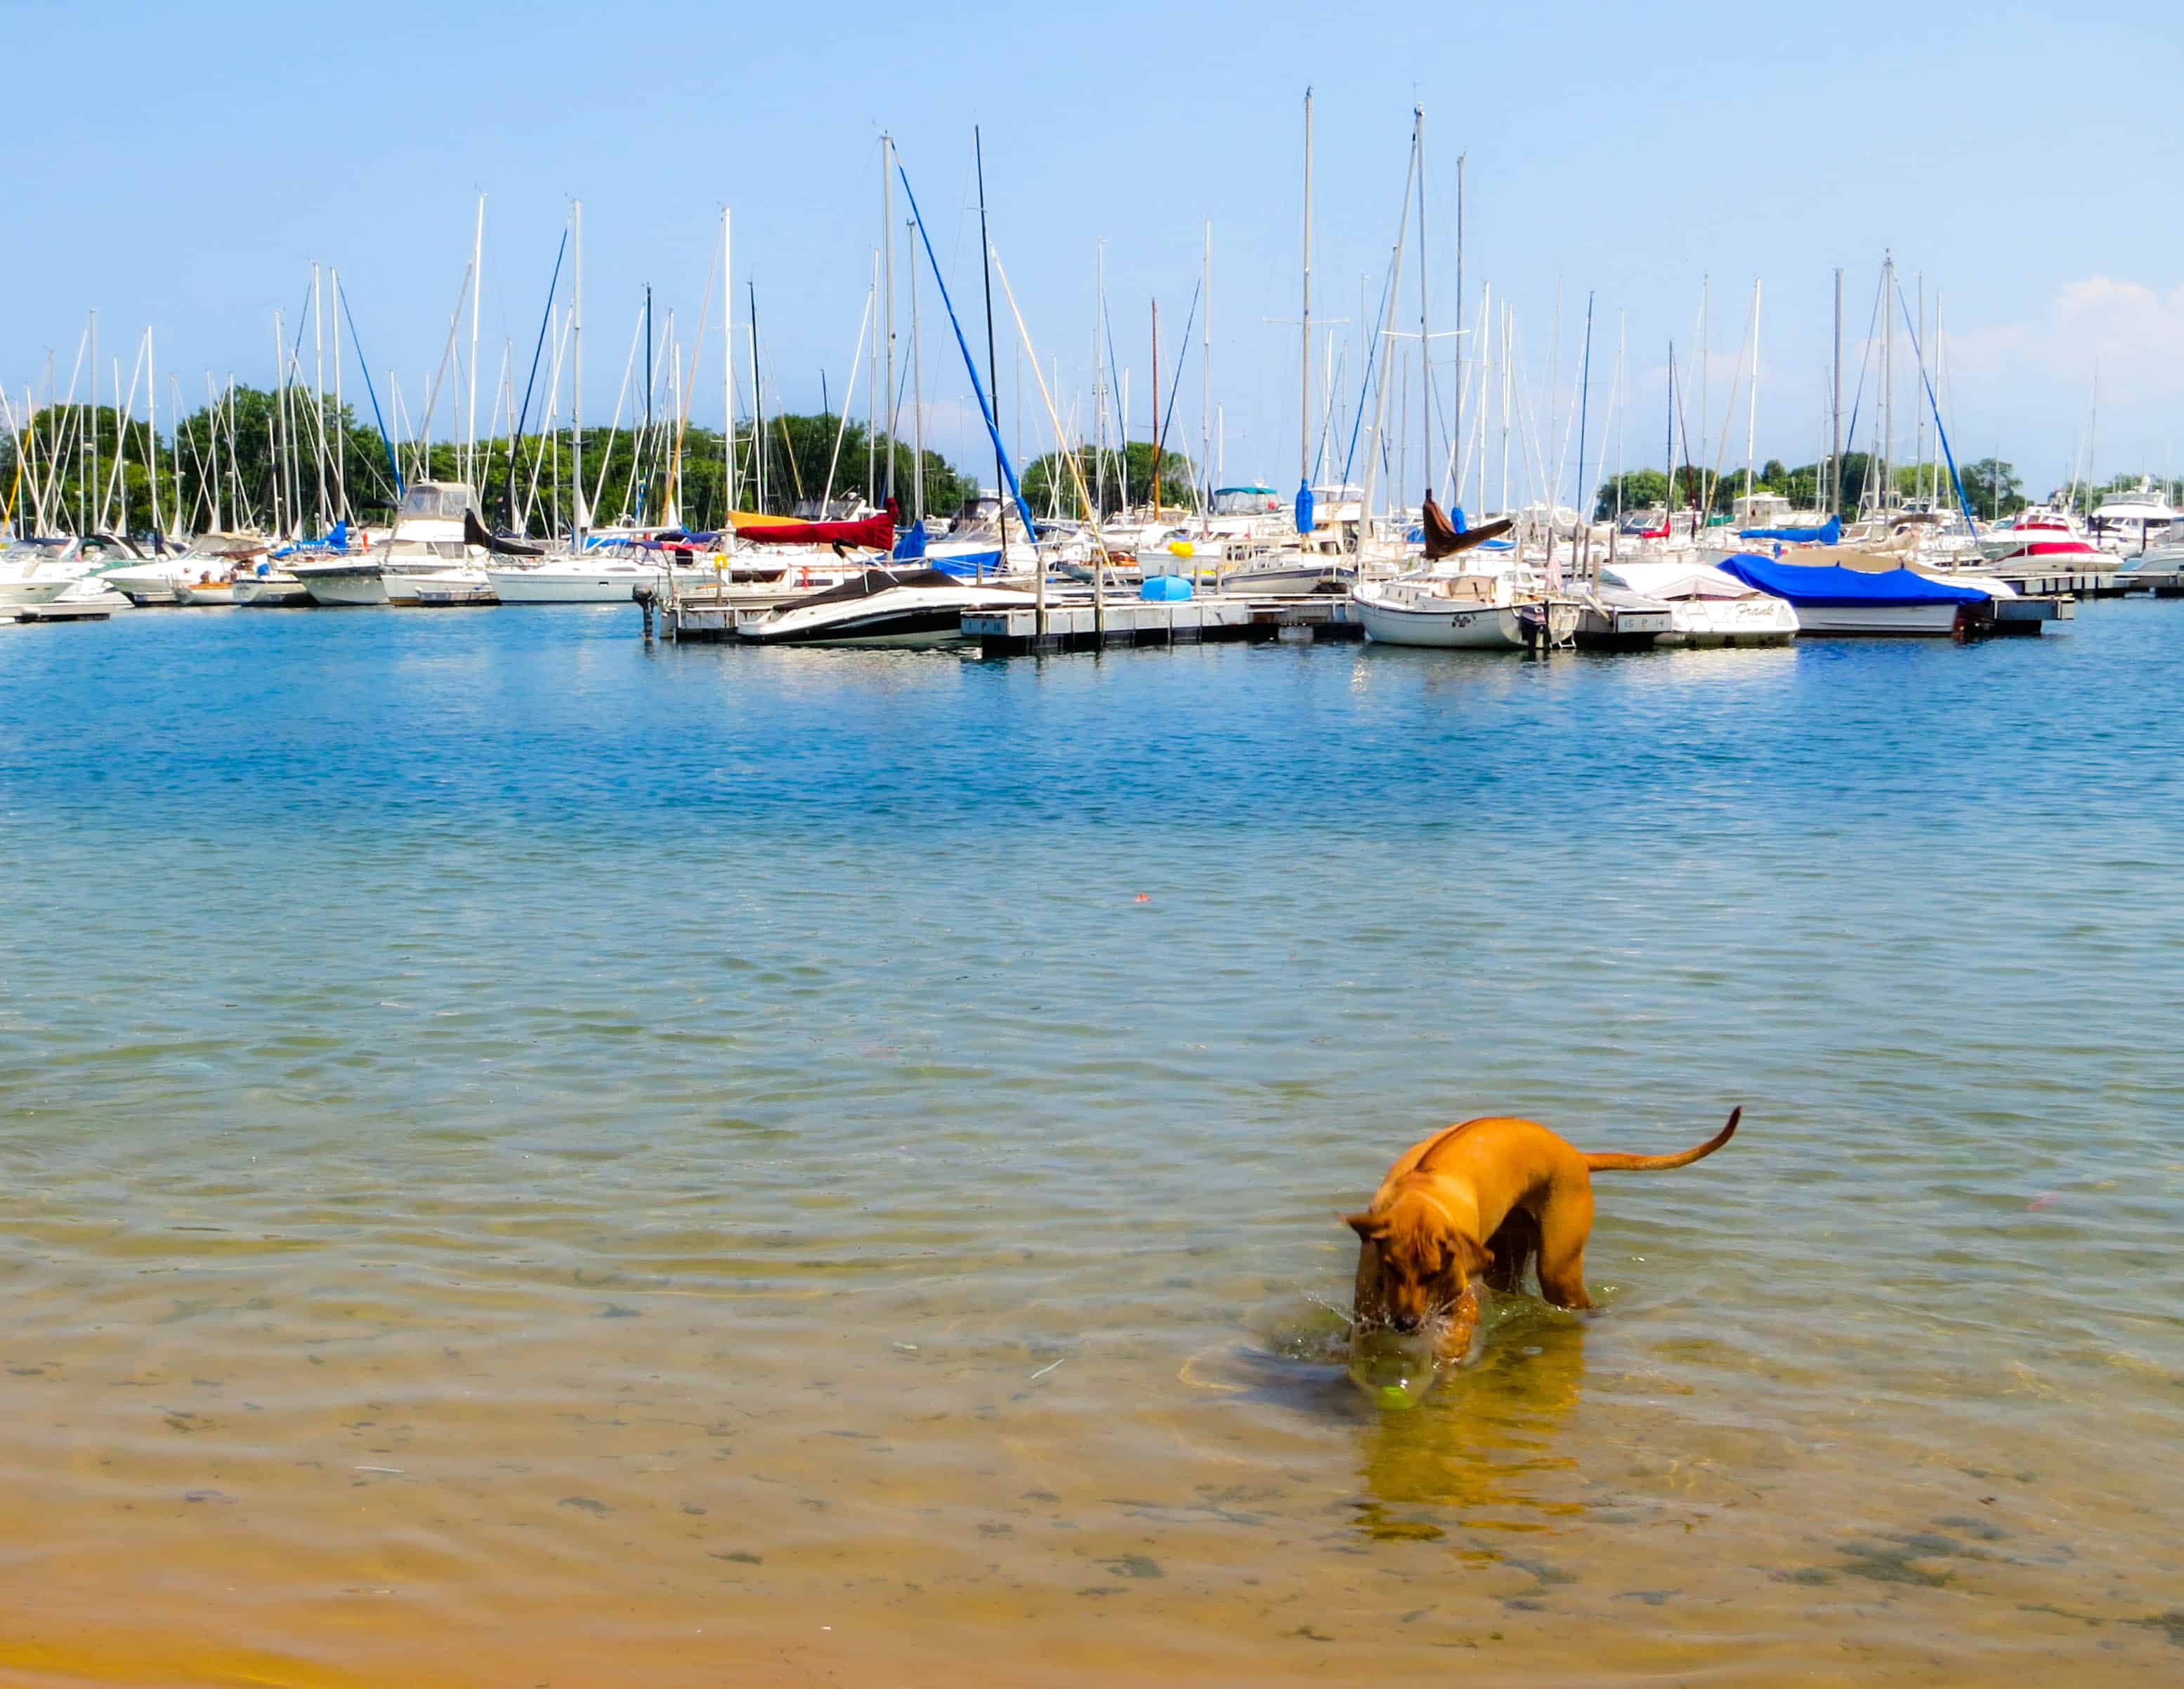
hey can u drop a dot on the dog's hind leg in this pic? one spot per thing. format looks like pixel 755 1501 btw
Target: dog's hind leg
pixel 1565 1223
pixel 1514 1245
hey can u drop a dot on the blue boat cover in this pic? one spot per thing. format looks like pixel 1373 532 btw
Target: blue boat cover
pixel 1165 588
pixel 1831 584
pixel 911 542
pixel 1304 509
pixel 1828 533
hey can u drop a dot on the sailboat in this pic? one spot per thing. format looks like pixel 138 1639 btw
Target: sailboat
pixel 1463 605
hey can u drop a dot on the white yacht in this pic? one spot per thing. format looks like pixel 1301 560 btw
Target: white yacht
pixel 2128 522
pixel 428 539
pixel 39 571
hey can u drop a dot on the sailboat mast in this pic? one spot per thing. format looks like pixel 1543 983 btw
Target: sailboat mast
pixel 1304 358
pixel 887 284
pixel 1206 384
pixel 1425 327
pixel 1752 413
pixel 993 377
pixel 1887 377
pixel 477 280
pixel 577 513
pixel 1456 436
pixel 151 426
pixel 81 525
pixel 644 439
pixel 319 395
pixel 758 412
pixel 340 418
pixel 1834 413
pixel 1155 421
pixel 1099 379
pixel 917 401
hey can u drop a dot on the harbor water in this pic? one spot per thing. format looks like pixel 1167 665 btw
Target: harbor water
pixel 530 1159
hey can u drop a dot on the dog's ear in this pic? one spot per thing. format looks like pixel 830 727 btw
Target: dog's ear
pixel 1368 1225
pixel 1476 1257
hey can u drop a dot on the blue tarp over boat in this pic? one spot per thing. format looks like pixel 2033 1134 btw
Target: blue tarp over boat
pixel 1831 584
pixel 1829 532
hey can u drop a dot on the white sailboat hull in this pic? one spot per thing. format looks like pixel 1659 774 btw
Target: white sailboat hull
pixel 1464 627
pixel 571 586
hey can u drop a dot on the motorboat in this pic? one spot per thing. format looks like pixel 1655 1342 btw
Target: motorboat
pixel 267 586
pixel 39 571
pixel 428 539
pixel 922 607
pixel 1705 607
pixel 2127 522
pixel 203 572
pixel 2044 534
pixel 1833 599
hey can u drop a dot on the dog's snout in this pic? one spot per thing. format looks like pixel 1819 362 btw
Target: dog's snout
pixel 1407 1321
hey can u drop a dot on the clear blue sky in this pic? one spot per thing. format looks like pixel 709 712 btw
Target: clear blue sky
pixel 182 166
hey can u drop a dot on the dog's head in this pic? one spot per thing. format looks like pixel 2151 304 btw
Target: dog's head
pixel 1426 1263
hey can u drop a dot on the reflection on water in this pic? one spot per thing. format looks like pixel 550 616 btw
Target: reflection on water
pixel 525 1160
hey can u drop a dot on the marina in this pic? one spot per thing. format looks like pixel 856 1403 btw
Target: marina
pixel 753 773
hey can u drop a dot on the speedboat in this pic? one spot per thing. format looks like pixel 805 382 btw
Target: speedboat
pixel 1705 607
pixel 922 607
pixel 1832 598
pixel 202 573
pixel 267 586
pixel 39 571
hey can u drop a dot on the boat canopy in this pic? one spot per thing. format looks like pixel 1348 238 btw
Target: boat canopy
pixel 1823 585
pixel 1829 532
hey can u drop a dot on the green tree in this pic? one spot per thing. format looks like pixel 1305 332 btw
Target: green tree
pixel 1635 489
pixel 1048 486
pixel 1993 488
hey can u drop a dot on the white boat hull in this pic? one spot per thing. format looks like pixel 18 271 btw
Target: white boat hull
pixel 344 584
pixel 1917 620
pixel 1709 622
pixel 1303 579
pixel 554 586
pixel 200 592
pixel 270 591
pixel 1466 628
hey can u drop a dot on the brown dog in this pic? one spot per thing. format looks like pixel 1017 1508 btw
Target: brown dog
pixel 1485 1197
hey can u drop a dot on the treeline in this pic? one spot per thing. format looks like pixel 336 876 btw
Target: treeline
pixel 253 460
pixel 1113 480
pixel 1990 486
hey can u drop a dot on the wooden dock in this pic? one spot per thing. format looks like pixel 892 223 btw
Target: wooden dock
pixel 63 612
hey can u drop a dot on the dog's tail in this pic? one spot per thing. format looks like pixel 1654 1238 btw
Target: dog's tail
pixel 1612 1163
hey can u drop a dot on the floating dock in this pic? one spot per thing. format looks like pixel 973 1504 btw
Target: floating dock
pixel 1071 624
pixel 2048 582
pixel 63 613
pixel 1129 622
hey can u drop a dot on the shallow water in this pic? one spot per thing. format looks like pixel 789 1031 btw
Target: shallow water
pixel 528 1159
